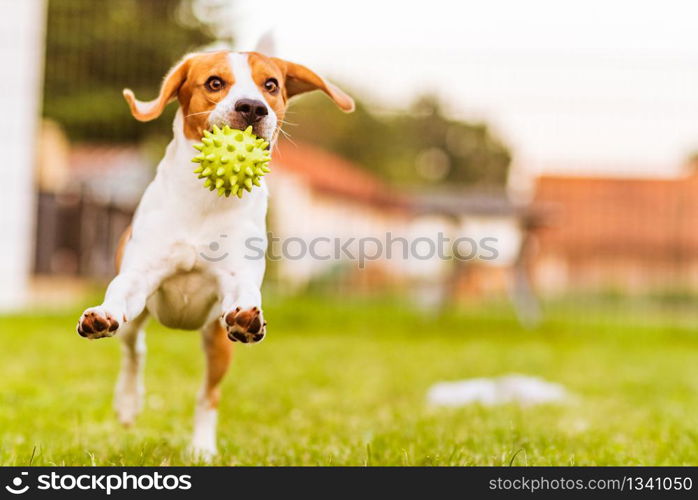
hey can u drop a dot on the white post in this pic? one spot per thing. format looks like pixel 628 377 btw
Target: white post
pixel 21 63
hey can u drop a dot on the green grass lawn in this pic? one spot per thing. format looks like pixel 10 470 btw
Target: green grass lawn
pixel 344 383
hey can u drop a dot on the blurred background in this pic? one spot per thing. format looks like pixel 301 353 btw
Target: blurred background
pixel 566 131
pixel 574 147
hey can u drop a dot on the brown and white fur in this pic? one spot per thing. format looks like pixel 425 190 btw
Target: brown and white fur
pixel 161 267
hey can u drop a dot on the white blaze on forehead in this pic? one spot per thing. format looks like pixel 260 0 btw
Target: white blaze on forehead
pixel 243 88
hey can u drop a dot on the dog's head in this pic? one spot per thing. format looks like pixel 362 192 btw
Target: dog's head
pixel 236 89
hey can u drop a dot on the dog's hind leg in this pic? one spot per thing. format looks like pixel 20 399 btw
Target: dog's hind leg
pixel 219 352
pixel 130 390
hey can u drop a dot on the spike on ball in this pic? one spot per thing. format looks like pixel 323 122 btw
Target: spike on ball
pixel 223 153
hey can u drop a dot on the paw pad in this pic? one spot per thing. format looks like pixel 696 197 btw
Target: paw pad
pixel 246 326
pixel 94 325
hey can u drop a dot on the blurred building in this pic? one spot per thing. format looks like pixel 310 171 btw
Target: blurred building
pixel 320 199
pixel 631 235
pixel 496 256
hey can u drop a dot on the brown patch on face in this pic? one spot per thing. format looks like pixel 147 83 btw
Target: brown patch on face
pixel 264 68
pixel 196 98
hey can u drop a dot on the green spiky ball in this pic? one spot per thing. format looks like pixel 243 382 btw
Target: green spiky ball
pixel 231 161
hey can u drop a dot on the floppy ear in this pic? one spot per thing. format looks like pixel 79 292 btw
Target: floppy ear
pixel 146 111
pixel 300 79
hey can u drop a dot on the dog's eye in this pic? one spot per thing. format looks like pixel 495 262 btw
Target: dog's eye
pixel 214 84
pixel 271 85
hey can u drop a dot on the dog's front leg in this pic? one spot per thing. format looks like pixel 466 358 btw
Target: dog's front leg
pixel 125 300
pixel 241 313
pixel 240 279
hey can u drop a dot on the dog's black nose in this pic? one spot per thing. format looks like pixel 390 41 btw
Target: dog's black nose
pixel 251 110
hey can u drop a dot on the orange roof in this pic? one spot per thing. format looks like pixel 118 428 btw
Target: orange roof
pixel 330 173
pixel 620 216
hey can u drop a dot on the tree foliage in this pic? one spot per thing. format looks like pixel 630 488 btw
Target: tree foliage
pixel 417 146
pixel 96 48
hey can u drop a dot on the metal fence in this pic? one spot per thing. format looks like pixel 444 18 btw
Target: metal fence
pixel 77 236
pixel 94 147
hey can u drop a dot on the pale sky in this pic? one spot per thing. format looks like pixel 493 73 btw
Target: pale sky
pixel 575 86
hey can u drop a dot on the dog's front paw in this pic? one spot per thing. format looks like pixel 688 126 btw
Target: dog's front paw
pixel 97 323
pixel 245 325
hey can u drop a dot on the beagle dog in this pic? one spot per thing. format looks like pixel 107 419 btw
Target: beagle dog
pixel 162 268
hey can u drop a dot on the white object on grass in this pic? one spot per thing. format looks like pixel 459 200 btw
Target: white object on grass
pixel 519 389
